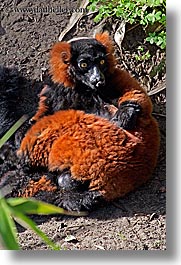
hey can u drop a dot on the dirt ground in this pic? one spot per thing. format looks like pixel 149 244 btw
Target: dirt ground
pixel 135 222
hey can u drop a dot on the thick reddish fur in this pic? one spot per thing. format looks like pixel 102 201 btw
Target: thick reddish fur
pixel 114 160
pixel 59 62
pixel 35 186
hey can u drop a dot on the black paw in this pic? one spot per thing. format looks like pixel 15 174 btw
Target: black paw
pixel 126 116
pixel 79 201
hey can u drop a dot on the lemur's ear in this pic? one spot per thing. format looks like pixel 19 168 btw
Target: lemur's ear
pixel 106 41
pixel 60 56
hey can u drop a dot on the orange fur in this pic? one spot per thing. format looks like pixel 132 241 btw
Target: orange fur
pixel 59 63
pixel 113 160
pixel 35 186
pixel 42 107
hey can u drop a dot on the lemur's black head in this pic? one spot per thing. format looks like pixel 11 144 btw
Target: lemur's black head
pixel 84 61
pixel 88 63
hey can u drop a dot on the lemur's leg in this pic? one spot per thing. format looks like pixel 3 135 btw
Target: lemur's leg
pixel 74 195
pixel 67 183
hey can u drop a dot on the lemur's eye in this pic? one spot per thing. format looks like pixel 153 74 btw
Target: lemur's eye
pixel 102 62
pixel 83 65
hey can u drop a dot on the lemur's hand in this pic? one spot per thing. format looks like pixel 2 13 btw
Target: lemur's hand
pixel 126 116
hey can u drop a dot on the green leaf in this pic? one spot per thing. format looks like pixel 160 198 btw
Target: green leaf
pixel 26 221
pixel 140 48
pixel 158 15
pixel 12 130
pixel 8 230
pixel 150 39
pixel 163 45
pixel 151 18
pixel 137 57
pixel 131 21
pixel 159 41
pixel 163 19
pixel 31 206
pixel 98 18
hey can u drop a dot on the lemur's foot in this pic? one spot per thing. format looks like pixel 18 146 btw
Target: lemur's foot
pixel 75 195
pixel 126 116
pixel 66 182
pixel 79 201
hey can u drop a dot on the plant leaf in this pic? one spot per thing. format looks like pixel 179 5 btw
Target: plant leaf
pixel 8 230
pixel 31 206
pixel 12 130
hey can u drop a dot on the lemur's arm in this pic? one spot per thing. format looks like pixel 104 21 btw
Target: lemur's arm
pixel 132 99
pixel 129 89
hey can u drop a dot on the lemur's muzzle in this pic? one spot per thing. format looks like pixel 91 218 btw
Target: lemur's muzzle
pixel 96 77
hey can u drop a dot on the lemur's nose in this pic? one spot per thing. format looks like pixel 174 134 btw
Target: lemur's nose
pixel 97 77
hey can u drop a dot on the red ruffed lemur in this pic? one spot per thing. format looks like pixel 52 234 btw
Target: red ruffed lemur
pixel 98 149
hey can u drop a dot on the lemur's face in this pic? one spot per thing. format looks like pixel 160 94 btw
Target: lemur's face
pixel 88 63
